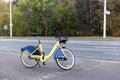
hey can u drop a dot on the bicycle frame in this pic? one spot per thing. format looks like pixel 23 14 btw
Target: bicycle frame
pixel 46 57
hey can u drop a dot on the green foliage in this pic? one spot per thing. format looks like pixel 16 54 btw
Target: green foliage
pixel 44 15
pixel 90 13
pixel 115 18
pixel 4 18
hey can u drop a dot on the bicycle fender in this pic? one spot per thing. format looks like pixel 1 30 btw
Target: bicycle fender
pixel 58 54
pixel 29 48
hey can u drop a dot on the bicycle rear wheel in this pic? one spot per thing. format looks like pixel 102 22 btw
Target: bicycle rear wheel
pixel 27 61
pixel 68 61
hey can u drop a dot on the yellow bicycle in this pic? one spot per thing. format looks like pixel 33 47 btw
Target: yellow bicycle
pixel 31 55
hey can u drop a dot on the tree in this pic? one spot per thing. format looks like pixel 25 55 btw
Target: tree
pixel 74 17
pixel 116 18
pixel 43 15
pixel 89 13
pixel 4 16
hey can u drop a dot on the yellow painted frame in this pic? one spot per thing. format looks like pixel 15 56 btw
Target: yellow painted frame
pixel 46 57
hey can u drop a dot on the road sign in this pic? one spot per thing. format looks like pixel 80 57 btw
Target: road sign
pixel 5 27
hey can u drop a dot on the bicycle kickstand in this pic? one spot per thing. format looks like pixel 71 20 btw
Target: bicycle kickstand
pixel 39 65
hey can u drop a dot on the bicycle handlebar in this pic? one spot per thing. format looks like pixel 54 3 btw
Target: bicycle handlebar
pixel 56 33
pixel 36 34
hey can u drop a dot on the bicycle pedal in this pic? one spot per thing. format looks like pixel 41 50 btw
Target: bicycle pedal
pixel 44 63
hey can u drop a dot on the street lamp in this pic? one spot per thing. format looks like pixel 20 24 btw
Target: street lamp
pixel 11 1
pixel 105 14
pixel 105 8
pixel 10 18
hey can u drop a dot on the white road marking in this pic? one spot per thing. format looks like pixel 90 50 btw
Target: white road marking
pixel 115 53
pixel 104 47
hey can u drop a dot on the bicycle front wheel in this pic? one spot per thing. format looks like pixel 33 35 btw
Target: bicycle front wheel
pixel 68 61
pixel 27 61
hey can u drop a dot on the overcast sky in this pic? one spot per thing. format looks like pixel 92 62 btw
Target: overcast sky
pixel 6 0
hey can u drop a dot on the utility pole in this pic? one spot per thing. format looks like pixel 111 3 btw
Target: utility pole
pixel 10 18
pixel 105 14
pixel 104 24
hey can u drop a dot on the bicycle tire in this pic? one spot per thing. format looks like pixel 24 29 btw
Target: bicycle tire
pixel 27 61
pixel 69 62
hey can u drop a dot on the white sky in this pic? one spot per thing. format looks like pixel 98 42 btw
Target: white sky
pixel 8 0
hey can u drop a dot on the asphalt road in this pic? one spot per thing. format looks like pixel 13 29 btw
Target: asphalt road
pixel 94 48
pixel 96 59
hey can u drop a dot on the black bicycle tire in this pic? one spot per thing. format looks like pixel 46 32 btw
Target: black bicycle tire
pixel 25 64
pixel 72 63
